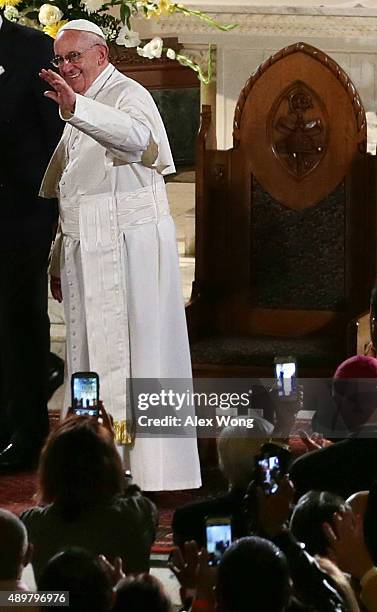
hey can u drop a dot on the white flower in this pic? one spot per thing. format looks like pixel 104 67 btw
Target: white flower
pixel 127 37
pixel 170 53
pixel 11 13
pixel 152 49
pixel 49 14
pixel 91 6
pixel 110 32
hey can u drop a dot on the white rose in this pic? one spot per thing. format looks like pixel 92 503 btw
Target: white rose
pixel 91 6
pixel 152 49
pixel 11 13
pixel 49 14
pixel 170 53
pixel 127 37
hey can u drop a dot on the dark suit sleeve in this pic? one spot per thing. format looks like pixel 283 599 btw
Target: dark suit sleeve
pixel 343 468
pixel 51 124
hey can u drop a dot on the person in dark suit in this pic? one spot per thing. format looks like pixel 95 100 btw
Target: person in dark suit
pixel 350 464
pixel 29 131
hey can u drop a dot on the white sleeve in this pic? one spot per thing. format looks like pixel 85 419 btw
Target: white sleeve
pixel 116 129
pixel 131 130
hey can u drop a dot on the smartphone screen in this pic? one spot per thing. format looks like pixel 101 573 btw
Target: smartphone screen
pixel 219 538
pixel 85 393
pixel 270 472
pixel 285 374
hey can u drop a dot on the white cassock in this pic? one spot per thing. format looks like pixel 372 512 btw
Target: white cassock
pixel 119 264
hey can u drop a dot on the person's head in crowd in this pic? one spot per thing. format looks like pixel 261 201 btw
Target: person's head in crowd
pixel 15 551
pixel 358 502
pixel 79 467
pixel 237 446
pixel 355 390
pixel 252 575
pixel 311 511
pixel 83 576
pixel 141 593
pixel 370 522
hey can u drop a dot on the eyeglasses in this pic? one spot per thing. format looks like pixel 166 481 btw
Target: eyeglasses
pixel 72 57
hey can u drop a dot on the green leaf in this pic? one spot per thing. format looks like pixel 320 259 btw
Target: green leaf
pixel 125 13
pixel 204 17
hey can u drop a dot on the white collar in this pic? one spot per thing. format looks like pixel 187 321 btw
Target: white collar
pixel 1 21
pixel 99 82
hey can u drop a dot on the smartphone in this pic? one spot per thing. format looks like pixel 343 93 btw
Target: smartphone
pixel 219 538
pixel 85 393
pixel 268 472
pixel 285 376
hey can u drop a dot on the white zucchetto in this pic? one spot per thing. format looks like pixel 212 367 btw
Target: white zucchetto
pixel 83 25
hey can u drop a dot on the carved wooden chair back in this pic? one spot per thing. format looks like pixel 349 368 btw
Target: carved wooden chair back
pixel 286 219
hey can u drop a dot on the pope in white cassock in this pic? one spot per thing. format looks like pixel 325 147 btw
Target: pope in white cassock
pixel 116 248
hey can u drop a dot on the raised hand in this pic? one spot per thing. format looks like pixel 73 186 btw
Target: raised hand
pixel 315 441
pixel 185 566
pixel 63 94
pixel 195 576
pixel 105 418
pixel 346 538
pixel 274 510
pixel 114 570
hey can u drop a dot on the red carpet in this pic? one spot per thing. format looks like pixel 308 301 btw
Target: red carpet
pixel 17 491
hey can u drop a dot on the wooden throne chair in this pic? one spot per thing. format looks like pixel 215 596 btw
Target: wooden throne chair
pixel 285 223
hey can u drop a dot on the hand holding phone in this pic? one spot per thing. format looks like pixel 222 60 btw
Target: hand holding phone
pixel 85 393
pixel 219 538
pixel 285 376
pixel 268 473
pixel 273 511
pixel 271 465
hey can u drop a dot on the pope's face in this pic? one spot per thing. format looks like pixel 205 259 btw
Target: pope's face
pixel 84 70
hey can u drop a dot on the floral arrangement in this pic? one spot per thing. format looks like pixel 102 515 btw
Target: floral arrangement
pixel 51 17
